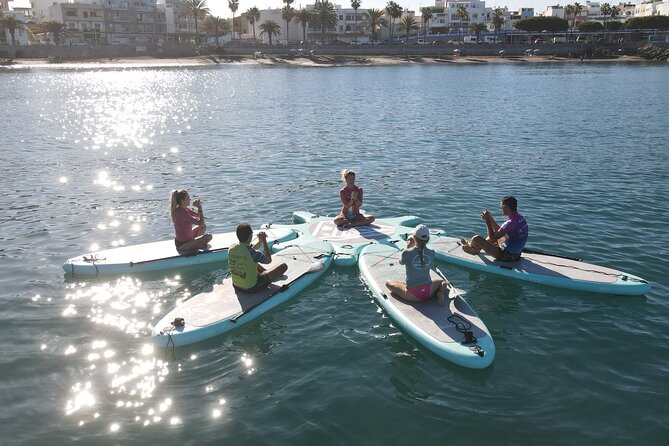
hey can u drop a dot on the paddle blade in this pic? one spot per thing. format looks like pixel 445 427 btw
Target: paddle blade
pixel 455 292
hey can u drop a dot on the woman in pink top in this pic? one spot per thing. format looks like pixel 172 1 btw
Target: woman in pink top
pixel 189 227
pixel 351 199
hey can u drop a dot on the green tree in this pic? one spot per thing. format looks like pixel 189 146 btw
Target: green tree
pixel 540 23
pixel 253 15
pixel 660 22
pixel 615 25
pixel 355 4
pixel 374 21
pixel 11 24
pixel 461 14
pixel 590 26
pixel 394 11
pixel 477 28
pixel 271 28
pixel 55 28
pixel 324 17
pixel 233 5
pixel 408 24
pixel 213 26
pixel 426 15
pixel 497 19
pixel 197 8
pixel 287 12
pixel 303 18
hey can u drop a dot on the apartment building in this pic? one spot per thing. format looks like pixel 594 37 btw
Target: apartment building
pixel 83 22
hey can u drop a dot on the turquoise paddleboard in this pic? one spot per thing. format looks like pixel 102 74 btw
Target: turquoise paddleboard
pixel 545 269
pixel 426 322
pixel 223 309
pixel 348 242
pixel 157 256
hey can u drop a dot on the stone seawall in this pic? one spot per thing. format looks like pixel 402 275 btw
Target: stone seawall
pixel 174 50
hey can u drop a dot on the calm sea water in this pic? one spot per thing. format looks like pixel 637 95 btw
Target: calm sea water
pixel 88 160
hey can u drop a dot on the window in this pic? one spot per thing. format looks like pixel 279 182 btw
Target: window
pixel 85 14
pixel 71 13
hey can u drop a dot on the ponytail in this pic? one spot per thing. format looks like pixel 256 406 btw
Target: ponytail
pixel 176 197
pixel 420 245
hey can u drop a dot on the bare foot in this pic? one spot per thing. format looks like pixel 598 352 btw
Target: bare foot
pixel 469 250
pixel 464 242
pixel 441 299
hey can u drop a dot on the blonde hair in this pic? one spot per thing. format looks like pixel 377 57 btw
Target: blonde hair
pixel 420 245
pixel 176 197
pixel 345 173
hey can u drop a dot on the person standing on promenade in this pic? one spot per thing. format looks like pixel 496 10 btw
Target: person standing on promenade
pixel 418 260
pixel 244 262
pixel 514 229
pixel 189 228
pixel 351 199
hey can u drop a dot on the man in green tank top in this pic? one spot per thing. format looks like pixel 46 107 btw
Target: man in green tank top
pixel 244 262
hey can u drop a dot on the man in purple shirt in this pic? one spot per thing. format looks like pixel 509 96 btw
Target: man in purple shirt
pixel 514 230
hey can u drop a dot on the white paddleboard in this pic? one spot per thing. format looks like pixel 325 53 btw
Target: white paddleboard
pixel 157 256
pixel 223 309
pixel 426 322
pixel 541 268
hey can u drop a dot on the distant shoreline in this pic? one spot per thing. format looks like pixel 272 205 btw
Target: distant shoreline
pixel 306 61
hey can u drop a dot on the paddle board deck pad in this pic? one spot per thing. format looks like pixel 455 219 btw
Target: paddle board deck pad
pixel 540 268
pixel 348 242
pixel 158 256
pixel 223 309
pixel 426 322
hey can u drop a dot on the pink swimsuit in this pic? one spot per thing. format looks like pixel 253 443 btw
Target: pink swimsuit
pixel 421 292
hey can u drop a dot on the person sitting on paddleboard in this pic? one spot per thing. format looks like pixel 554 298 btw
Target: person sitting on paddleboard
pixel 189 227
pixel 351 198
pixel 418 261
pixel 244 262
pixel 514 229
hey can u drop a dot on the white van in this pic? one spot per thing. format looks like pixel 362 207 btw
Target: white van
pixel 469 39
pixel 491 39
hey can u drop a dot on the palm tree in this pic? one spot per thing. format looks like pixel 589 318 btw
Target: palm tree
pixel 606 10
pixel 426 14
pixel 325 17
pixel 287 13
pixel 497 19
pixel 577 10
pixel 303 17
pixel 213 25
pixel 408 24
pixel 55 28
pixel 374 20
pixel 461 14
pixel 233 5
pixel 197 8
pixel 395 12
pixel 271 28
pixel 355 4
pixel 253 15
pixel 477 28
pixel 11 24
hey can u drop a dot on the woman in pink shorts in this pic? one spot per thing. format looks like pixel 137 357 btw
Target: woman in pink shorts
pixel 418 260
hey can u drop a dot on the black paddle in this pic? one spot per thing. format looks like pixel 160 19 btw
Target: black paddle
pixel 544 253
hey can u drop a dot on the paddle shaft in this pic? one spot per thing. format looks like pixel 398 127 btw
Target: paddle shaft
pixel 544 253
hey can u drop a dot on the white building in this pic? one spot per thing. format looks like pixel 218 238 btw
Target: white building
pixel 21 36
pixel 651 7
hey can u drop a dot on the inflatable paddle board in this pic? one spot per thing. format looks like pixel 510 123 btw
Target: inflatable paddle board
pixel 158 256
pixel 223 309
pixel 426 322
pixel 547 269
pixel 348 242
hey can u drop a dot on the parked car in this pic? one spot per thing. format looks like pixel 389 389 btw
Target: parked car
pixel 561 39
pixel 469 39
pixel 491 39
pixel 420 41
pixel 539 41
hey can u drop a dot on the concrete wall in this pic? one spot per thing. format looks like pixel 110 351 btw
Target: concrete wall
pixel 74 52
